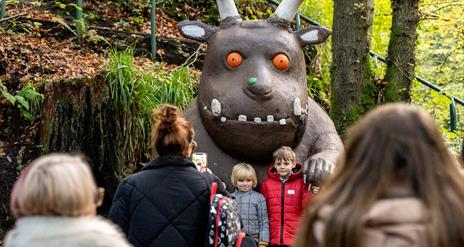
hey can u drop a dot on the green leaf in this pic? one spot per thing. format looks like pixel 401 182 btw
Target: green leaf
pixel 64 24
pixel 7 95
pixel 25 114
pixel 23 103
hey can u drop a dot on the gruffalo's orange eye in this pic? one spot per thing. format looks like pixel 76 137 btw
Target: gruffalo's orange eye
pixel 234 59
pixel 280 61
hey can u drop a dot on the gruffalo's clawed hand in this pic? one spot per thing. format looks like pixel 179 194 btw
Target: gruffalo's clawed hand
pixel 317 170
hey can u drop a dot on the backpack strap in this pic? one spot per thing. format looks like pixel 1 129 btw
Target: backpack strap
pixel 214 187
pixel 240 238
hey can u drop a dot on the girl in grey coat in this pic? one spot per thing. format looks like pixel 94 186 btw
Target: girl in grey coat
pixel 251 204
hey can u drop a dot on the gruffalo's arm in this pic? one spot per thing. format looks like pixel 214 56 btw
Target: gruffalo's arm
pixel 320 146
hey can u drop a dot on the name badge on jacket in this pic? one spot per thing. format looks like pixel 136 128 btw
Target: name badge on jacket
pixel 291 192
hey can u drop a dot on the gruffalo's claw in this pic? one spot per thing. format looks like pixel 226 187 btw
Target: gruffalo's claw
pixel 317 170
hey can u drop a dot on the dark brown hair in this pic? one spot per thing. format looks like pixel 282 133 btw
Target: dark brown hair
pixel 171 133
pixel 392 139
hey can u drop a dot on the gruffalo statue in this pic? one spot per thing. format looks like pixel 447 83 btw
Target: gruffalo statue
pixel 252 96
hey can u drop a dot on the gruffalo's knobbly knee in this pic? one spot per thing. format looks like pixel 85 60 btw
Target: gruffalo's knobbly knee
pixel 253 96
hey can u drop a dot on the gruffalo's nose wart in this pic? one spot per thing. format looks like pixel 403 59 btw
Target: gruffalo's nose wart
pixel 252 96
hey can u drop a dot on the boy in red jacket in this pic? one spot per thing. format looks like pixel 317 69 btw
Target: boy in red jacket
pixel 286 194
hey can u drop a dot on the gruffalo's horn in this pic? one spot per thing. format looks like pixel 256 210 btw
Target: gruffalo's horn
pixel 227 9
pixel 287 9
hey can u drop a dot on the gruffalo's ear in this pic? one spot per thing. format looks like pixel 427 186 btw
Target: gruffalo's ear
pixel 196 30
pixel 313 35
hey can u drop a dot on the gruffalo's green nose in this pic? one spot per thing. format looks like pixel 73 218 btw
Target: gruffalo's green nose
pixel 251 81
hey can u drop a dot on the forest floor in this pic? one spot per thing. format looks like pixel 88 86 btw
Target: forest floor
pixel 37 46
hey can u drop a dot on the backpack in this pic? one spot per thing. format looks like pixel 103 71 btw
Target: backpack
pixel 224 221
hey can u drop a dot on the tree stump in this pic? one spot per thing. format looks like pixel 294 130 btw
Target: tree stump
pixel 79 118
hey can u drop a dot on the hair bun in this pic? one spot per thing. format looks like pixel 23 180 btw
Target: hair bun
pixel 171 115
pixel 171 133
pixel 167 116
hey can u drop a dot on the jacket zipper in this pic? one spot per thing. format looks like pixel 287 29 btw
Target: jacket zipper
pixel 282 216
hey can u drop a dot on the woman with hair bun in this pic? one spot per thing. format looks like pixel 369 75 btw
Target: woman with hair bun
pixel 166 203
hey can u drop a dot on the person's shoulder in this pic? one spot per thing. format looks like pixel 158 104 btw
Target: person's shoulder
pixel 258 195
pixel 98 231
pixel 267 182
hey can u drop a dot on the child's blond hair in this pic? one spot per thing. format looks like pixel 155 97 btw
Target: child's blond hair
pixel 284 153
pixel 243 171
pixel 55 184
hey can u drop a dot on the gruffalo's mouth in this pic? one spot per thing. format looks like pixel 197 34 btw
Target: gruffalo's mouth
pixel 215 111
pixel 253 132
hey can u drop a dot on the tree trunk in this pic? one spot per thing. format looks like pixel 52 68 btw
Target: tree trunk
pixel 400 60
pixel 8 174
pixel 79 118
pixel 353 92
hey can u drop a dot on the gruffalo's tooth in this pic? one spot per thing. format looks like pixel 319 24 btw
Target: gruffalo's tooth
pixel 215 107
pixel 297 106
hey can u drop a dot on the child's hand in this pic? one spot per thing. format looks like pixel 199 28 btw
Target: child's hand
pixel 314 189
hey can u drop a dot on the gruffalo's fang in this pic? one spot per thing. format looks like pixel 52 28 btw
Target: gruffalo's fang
pixel 252 96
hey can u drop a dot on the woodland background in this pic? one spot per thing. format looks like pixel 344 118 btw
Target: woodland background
pixel 94 93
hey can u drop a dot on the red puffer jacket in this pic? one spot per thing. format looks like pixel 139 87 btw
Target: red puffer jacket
pixel 285 202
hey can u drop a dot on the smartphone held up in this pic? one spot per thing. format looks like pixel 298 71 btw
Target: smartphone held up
pixel 200 159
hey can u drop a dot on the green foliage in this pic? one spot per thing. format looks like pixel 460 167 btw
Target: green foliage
pixel 138 91
pixel 318 10
pixel 11 24
pixel 381 26
pixel 318 79
pixel 319 73
pixel 438 104
pixel 139 5
pixel 204 10
pixel 177 88
pixel 254 9
pixel 439 60
pixel 439 55
pixel 27 100
pixel 63 23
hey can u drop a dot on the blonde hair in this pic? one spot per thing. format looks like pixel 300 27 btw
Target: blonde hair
pixel 284 153
pixel 243 171
pixel 55 184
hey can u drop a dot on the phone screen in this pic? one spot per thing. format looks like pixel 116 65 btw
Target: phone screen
pixel 200 159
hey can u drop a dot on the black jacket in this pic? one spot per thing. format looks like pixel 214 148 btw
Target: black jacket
pixel 165 204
